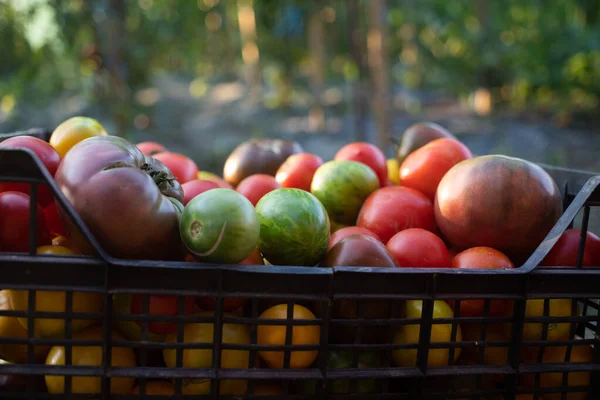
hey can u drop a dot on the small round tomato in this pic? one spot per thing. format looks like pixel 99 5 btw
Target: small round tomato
pixel 90 356
pixel 298 170
pixel 349 231
pixel 419 248
pixel 155 388
pixel 209 176
pixel 254 187
pixel 47 155
pixel 14 223
pixel 193 188
pixel 564 252
pixel 202 358
pixel 184 169
pixel 367 154
pixel 481 257
pixel 440 333
pixel 392 209
pixel 53 221
pixel 151 148
pixel 274 335
pixel 74 130
pixel 161 305
pixel 424 168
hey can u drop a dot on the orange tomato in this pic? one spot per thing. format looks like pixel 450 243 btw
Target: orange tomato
pixel 274 335
pixel 11 328
pixel 55 301
pixel 73 131
pixel 91 356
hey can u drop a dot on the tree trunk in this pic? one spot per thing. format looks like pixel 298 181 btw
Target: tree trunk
pixel 379 64
pixel 357 52
pixel 316 45
pixel 250 53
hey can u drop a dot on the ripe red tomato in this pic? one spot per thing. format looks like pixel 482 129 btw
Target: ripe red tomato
pixel 349 231
pixel 164 306
pixel 14 223
pixel 298 170
pixel 564 252
pixel 193 188
pixel 424 168
pixel 182 167
pixel 254 187
pixel 47 155
pixel 481 257
pixel 53 221
pixel 392 209
pixel 419 248
pixel 151 148
pixel 368 154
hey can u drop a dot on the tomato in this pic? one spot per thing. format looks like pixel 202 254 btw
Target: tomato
pixel 61 241
pixel 492 355
pixel 129 202
pixel 151 148
pixel 556 330
pixel 298 170
pixel 481 257
pixel 47 155
pixel 193 188
pixel 556 355
pixel 425 167
pixel 254 187
pixel 274 335
pixel 184 169
pixel 349 231
pixel 156 388
pixel 202 358
pixel 11 328
pixel 419 248
pixel 440 333
pixel 266 389
pixel 74 130
pixel 564 252
pixel 14 223
pixel 90 356
pixel 392 209
pixel 161 305
pixel 209 176
pixel 367 154
pixel 55 301
pixel 53 222
pixel 393 171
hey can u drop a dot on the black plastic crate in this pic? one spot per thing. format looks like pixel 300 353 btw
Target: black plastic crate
pixel 358 314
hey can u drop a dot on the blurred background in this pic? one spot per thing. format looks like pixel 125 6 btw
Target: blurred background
pixel 517 77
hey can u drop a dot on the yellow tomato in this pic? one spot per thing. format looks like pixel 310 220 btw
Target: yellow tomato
pixel 556 331
pixel 60 241
pixel 393 170
pixel 440 333
pixel 90 356
pixel 202 358
pixel 73 131
pixel 11 328
pixel 55 301
pixel 156 388
pixel 556 355
pixel 274 335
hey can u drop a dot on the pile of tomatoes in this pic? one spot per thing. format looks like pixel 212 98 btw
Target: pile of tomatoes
pixel 408 189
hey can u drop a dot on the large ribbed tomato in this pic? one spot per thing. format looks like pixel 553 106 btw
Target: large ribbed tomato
pixel 130 202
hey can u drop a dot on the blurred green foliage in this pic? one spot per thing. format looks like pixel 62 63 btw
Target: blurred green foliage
pixel 529 53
